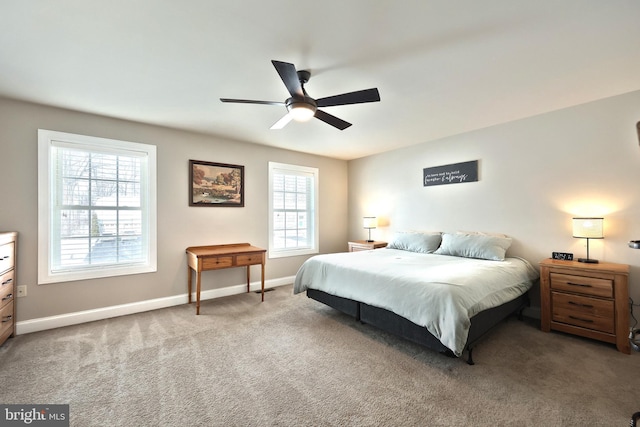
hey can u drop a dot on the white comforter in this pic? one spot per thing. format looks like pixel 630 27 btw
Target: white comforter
pixel 438 292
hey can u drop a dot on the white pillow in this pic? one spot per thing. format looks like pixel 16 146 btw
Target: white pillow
pixel 474 246
pixel 425 243
pixel 480 233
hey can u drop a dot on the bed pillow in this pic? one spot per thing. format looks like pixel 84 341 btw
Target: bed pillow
pixel 425 243
pixel 474 246
pixel 481 233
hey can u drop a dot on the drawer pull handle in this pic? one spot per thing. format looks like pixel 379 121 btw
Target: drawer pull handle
pixel 580 319
pixel 5 257
pixel 580 305
pixel 579 284
pixel 9 296
pixel 7 318
pixel 7 281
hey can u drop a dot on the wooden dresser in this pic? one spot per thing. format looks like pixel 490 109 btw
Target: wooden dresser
pixel 8 243
pixel 590 300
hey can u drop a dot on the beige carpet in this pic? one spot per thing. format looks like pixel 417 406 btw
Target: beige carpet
pixel 291 361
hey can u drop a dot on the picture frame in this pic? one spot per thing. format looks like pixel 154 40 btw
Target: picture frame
pixel 216 184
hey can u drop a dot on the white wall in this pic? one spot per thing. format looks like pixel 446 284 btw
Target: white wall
pixel 179 225
pixel 534 176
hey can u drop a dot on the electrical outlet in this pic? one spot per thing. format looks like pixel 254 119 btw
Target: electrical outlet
pixel 22 291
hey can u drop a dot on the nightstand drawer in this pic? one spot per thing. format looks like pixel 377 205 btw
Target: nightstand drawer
pixel 588 312
pixel 582 284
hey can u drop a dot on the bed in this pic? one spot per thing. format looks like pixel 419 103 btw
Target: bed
pixel 441 290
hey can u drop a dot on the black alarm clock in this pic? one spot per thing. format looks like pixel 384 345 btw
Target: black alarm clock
pixel 562 255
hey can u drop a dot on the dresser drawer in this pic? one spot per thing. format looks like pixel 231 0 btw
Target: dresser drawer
pixel 6 280
pixel 6 318
pixel 217 262
pixel 6 256
pixel 582 284
pixel 591 313
pixel 6 294
pixel 249 259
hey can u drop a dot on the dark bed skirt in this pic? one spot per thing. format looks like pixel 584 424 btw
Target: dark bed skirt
pixel 394 324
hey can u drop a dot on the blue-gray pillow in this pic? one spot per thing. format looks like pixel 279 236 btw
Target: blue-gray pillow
pixel 474 246
pixel 425 243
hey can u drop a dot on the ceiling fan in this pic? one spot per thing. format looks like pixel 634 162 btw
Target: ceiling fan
pixel 301 107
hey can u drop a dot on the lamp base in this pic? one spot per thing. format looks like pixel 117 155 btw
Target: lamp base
pixel 369 241
pixel 588 260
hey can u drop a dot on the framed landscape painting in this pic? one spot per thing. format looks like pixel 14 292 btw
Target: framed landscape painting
pixel 215 184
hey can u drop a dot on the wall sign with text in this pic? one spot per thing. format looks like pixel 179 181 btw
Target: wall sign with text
pixel 450 174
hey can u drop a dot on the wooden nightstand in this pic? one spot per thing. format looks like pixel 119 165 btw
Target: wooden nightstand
pixel 590 300
pixel 363 245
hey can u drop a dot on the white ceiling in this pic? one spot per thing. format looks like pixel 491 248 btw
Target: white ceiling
pixel 442 67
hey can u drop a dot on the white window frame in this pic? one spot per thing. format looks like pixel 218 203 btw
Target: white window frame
pixel 48 140
pixel 312 211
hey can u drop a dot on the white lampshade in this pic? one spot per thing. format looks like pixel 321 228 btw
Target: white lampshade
pixel 370 222
pixel 588 228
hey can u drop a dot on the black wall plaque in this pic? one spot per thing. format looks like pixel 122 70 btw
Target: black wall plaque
pixel 450 174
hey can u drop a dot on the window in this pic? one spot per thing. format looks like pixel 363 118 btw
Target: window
pixel 96 207
pixel 293 205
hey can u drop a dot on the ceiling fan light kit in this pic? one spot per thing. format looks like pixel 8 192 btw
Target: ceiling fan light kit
pixel 301 111
pixel 301 107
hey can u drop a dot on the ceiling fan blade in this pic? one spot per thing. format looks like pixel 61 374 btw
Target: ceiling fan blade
pixel 289 76
pixel 357 97
pixel 250 101
pixel 282 122
pixel 332 120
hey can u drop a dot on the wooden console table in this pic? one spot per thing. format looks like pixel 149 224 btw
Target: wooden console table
pixel 216 257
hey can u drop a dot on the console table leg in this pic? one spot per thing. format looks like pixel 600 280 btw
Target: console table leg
pixel 198 292
pixel 262 282
pixel 248 277
pixel 189 282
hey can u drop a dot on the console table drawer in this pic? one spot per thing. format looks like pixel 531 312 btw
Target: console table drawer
pixel 587 312
pixel 217 262
pixel 249 259
pixel 582 284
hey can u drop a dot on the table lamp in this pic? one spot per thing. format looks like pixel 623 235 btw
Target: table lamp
pixel 369 223
pixel 588 228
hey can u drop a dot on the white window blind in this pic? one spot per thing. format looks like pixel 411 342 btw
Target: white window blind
pixel 293 224
pixel 96 207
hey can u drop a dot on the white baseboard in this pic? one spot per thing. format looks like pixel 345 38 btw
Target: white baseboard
pixel 51 322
